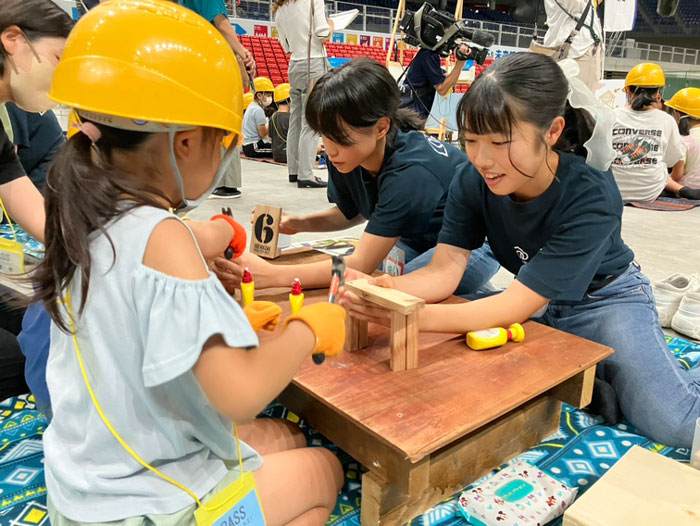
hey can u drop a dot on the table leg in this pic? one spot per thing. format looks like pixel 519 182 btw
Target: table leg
pixel 447 471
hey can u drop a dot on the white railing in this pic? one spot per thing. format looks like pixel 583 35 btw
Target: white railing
pixel 380 19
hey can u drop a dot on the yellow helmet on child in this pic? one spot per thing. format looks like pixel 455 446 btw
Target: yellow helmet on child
pixel 282 92
pixel 247 99
pixel 686 101
pixel 647 75
pixel 263 84
pixel 152 61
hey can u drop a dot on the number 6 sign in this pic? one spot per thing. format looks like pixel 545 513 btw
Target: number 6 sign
pixel 266 230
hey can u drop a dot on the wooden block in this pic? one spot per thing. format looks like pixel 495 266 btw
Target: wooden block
pixel 412 341
pixel 576 391
pixel 641 489
pixel 362 337
pixel 398 342
pixel 266 230
pixel 392 299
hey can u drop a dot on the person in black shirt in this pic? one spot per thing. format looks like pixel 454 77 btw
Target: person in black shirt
pixel 380 171
pixel 554 221
pixel 38 137
pixel 32 37
pixel 279 124
pixel 424 78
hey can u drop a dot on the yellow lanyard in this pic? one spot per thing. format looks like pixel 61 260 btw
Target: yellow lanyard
pixel 116 435
pixel 11 252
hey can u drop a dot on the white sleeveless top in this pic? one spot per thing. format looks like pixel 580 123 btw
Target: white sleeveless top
pixel 140 334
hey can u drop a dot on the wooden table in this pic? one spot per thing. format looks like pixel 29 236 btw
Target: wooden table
pixel 423 434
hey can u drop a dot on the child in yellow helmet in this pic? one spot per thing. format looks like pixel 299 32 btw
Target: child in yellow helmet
pixel 151 361
pixel 279 123
pixel 256 131
pixel 686 110
pixel 646 140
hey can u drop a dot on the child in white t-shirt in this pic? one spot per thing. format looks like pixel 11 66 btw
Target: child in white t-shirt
pixel 646 140
pixel 686 110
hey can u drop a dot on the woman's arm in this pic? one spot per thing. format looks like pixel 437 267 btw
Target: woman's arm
pixel 439 278
pixel 25 205
pixel 368 254
pixel 329 220
pixel 678 171
pixel 516 304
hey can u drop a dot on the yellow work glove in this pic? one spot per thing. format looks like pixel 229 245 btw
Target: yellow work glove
pixel 327 322
pixel 263 315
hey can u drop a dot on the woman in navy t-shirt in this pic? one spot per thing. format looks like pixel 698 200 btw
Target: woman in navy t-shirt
pixel 554 222
pixel 381 171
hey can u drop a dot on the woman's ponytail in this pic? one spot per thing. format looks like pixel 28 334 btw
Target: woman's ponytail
pixel 642 98
pixel 577 130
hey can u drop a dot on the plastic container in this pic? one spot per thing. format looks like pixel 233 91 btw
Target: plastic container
pixel 296 297
pixel 490 338
pixel 247 288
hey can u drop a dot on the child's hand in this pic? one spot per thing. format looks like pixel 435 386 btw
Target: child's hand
pixel 263 315
pixel 286 225
pixel 327 322
pixel 351 275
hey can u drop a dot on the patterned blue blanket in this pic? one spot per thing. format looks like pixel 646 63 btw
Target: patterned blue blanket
pixel 578 454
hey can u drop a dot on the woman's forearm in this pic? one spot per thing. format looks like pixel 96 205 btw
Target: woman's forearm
pixel 25 205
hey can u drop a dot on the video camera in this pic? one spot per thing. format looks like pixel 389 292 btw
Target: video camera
pixel 438 31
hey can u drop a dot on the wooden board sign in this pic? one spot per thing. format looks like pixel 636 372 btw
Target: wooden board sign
pixel 266 231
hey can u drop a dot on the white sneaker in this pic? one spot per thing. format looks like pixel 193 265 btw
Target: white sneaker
pixel 687 317
pixel 669 292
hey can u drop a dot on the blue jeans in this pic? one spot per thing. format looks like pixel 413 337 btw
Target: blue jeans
pixel 481 268
pixel 656 394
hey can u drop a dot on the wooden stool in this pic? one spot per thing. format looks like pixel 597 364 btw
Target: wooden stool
pixel 404 323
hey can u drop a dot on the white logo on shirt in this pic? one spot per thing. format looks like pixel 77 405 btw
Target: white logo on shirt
pixel 438 146
pixel 524 257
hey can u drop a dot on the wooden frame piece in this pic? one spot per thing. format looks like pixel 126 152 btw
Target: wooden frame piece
pixel 404 323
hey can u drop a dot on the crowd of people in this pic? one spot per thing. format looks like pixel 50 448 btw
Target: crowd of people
pixel 150 372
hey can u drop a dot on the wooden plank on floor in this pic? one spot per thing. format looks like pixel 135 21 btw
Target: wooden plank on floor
pixel 641 489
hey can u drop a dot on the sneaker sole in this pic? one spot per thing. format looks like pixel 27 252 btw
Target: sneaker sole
pixel 688 327
pixel 212 196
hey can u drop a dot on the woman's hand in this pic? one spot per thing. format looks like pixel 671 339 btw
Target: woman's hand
pixel 364 310
pixel 286 225
pixel 229 273
pixel 262 271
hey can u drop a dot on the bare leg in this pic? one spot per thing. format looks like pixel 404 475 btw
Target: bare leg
pixel 271 435
pixel 299 487
pixel 673 186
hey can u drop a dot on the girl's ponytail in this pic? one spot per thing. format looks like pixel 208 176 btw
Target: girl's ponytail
pixel 84 192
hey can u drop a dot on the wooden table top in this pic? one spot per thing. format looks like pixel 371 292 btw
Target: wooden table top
pixel 453 392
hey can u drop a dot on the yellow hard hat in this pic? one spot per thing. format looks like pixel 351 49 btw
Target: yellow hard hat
pixel 263 84
pixel 686 101
pixel 646 75
pixel 282 92
pixel 149 60
pixel 247 99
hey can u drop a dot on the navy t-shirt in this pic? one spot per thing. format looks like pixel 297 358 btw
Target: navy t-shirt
pixel 407 198
pixel 423 75
pixel 10 167
pixel 556 244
